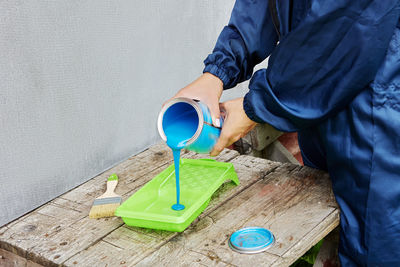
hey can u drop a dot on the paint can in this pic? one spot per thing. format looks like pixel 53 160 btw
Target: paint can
pixel 251 240
pixel 188 120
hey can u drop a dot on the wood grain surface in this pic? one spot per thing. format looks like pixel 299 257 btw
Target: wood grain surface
pixel 295 203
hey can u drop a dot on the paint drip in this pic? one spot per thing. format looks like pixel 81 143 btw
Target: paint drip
pixel 178 133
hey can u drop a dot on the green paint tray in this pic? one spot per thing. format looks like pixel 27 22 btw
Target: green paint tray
pixel 150 206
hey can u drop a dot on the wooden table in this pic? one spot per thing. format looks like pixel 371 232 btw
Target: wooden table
pixel 296 203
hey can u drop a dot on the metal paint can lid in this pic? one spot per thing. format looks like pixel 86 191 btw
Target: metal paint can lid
pixel 251 240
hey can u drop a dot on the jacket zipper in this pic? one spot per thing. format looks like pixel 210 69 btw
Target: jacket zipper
pixel 274 16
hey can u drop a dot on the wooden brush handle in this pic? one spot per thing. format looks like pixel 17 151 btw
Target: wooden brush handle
pixel 112 182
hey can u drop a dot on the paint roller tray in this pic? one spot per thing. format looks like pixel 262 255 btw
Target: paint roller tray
pixel 150 206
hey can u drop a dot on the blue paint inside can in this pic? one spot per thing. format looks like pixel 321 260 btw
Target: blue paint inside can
pixel 180 123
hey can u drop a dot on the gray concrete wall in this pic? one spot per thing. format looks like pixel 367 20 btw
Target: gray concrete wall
pixel 81 83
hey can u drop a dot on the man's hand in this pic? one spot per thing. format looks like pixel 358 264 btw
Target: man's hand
pixel 208 89
pixel 236 125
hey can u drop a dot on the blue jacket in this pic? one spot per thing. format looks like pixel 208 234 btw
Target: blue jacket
pixel 334 75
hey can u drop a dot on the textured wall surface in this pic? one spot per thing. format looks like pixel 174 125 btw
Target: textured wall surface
pixel 81 83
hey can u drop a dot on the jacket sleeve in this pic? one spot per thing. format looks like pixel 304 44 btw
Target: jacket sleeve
pixel 321 65
pixel 247 40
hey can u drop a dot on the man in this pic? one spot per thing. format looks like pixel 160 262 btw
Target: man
pixel 334 76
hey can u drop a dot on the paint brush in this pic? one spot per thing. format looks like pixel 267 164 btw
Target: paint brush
pixel 106 204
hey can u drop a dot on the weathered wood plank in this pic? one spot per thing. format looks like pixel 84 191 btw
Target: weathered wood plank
pixel 60 229
pixel 207 239
pixel 250 170
pixel 154 238
pixel 8 259
pixel 178 255
pixel 292 202
pixel 295 203
pixel 45 239
pixel 309 239
pixel 130 170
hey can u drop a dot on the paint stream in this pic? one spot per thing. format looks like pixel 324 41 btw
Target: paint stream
pixel 178 133
pixel 177 155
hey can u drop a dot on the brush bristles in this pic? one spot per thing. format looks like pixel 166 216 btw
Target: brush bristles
pixel 105 210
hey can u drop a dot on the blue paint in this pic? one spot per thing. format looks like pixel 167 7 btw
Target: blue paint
pixel 195 117
pixel 251 239
pixel 177 154
pixel 180 124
